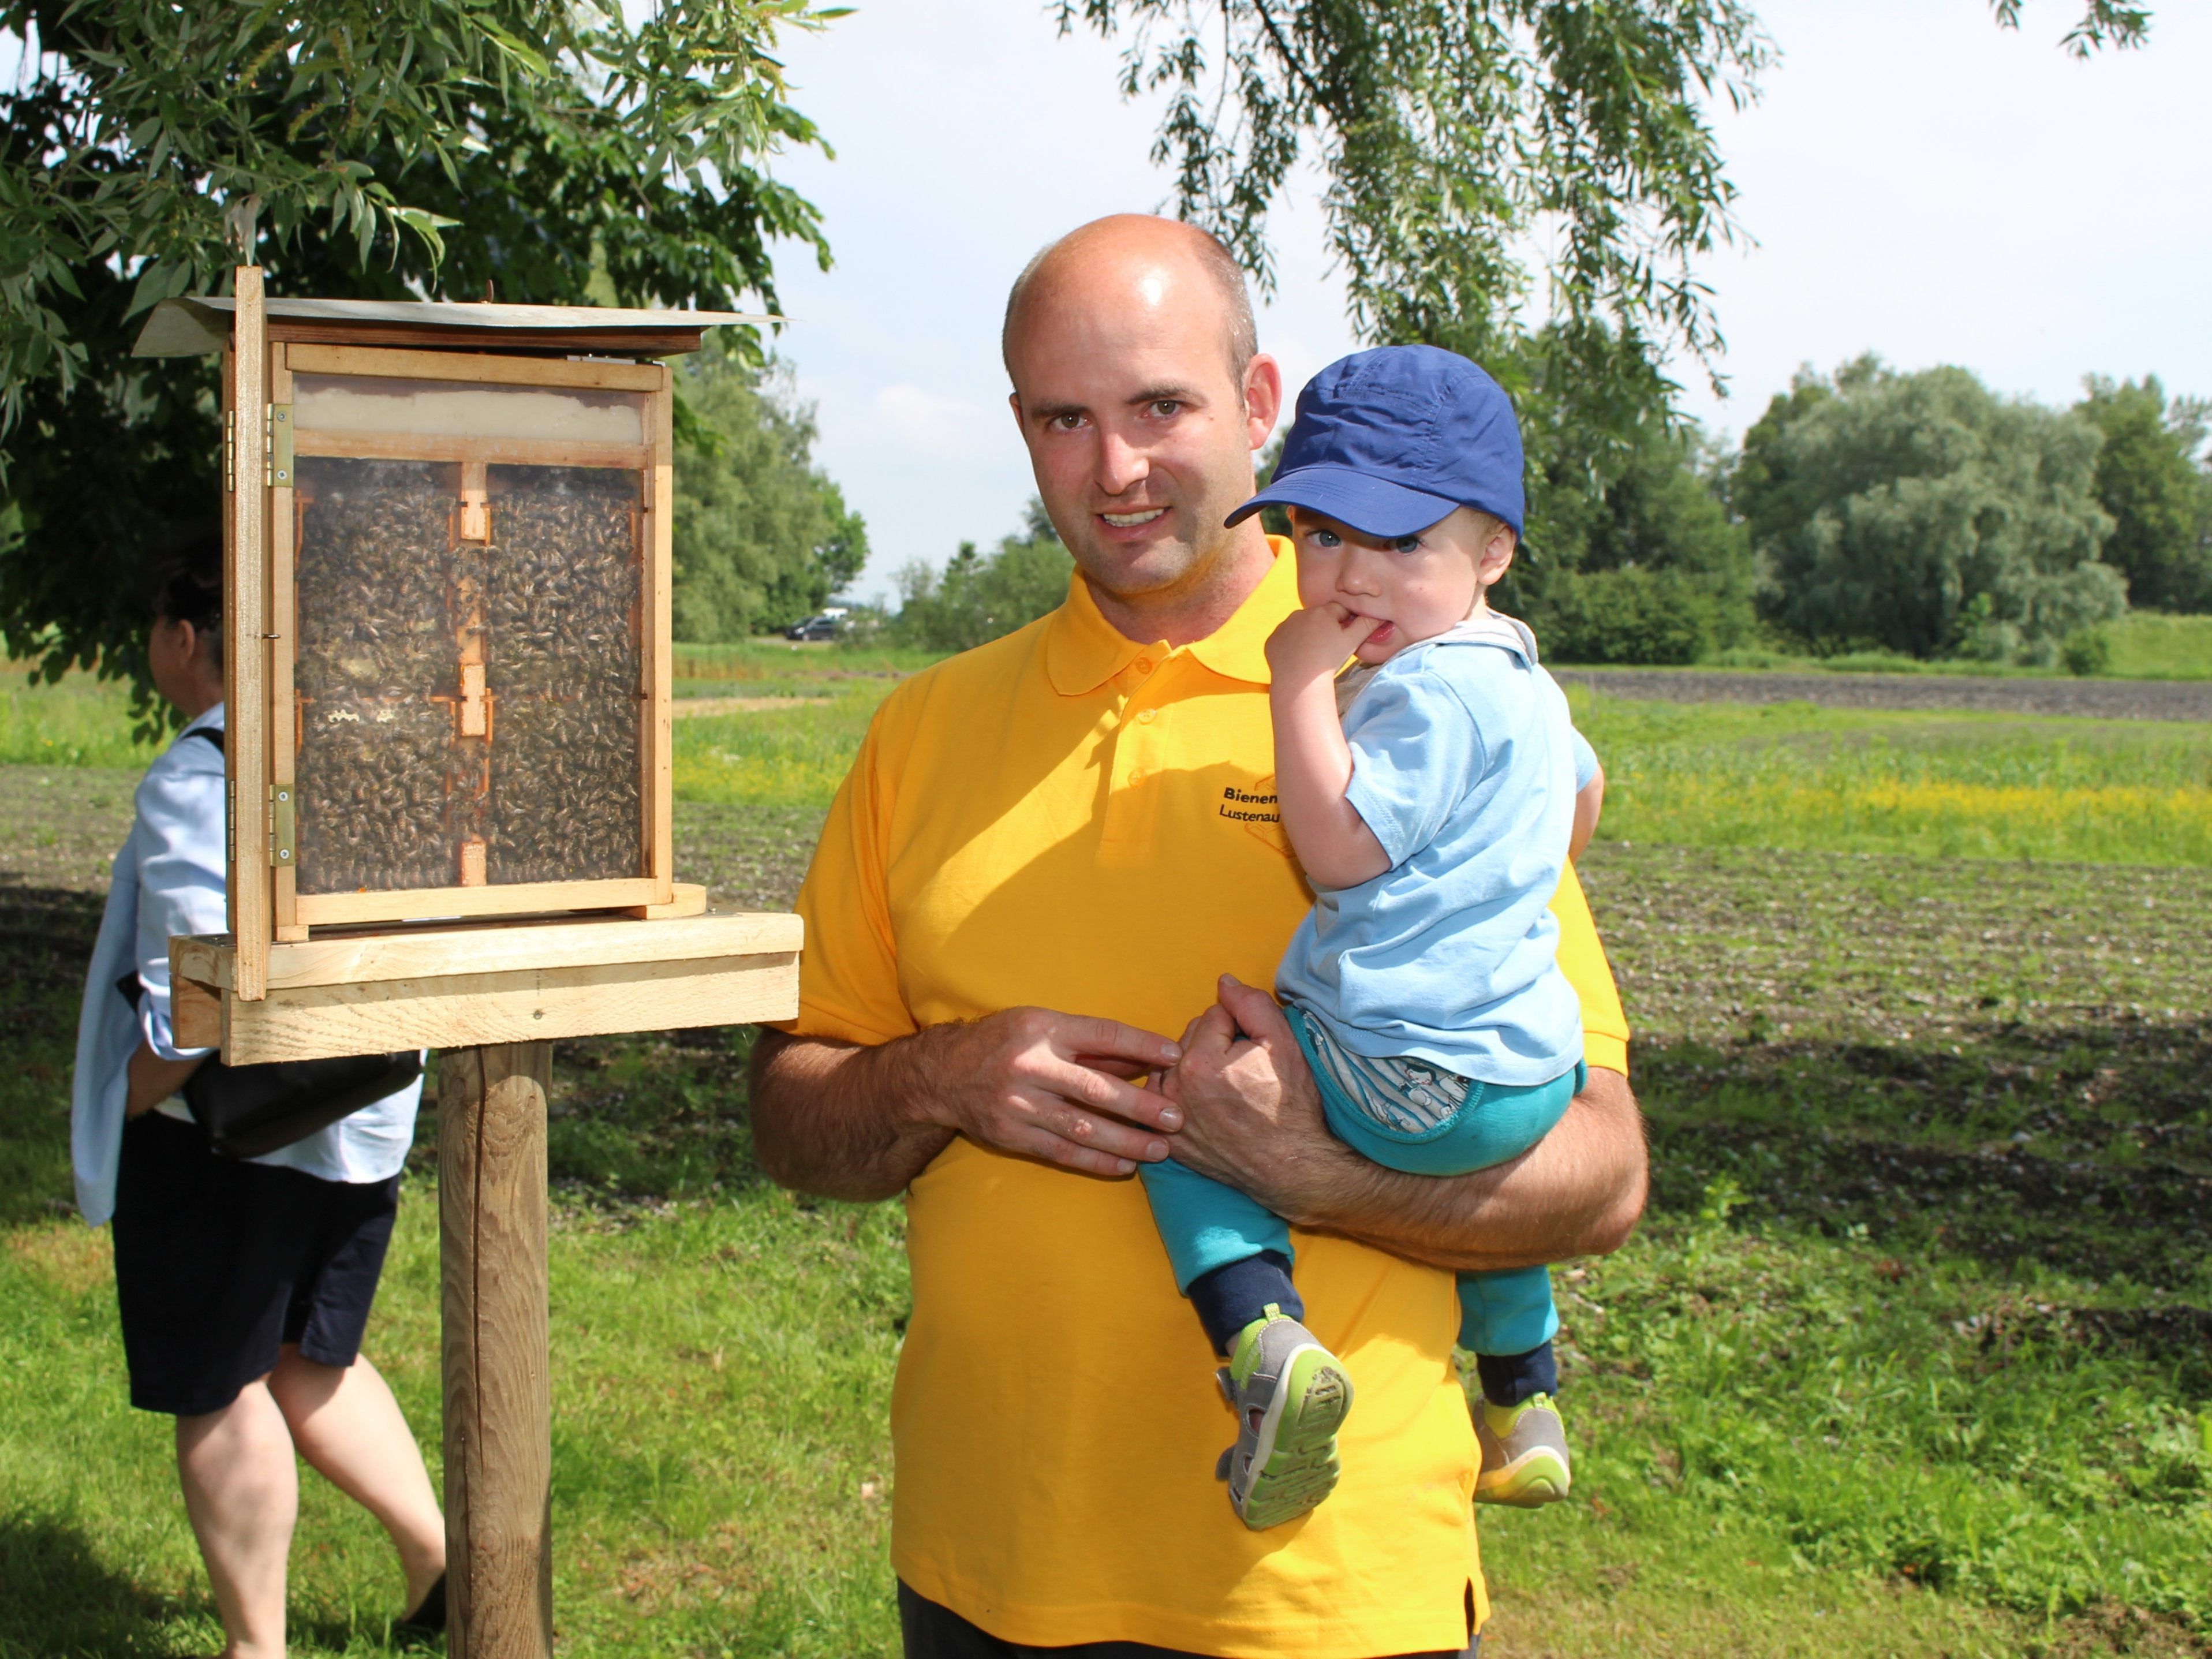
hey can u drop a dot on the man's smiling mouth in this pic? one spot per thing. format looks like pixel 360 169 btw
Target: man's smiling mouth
pixel 1130 520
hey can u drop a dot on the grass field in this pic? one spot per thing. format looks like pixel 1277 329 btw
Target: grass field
pixel 1722 775
pixel 1913 1355
pixel 2148 646
pixel 1930 785
pixel 2143 645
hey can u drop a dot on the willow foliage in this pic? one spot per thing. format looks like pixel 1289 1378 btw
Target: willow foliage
pixel 533 149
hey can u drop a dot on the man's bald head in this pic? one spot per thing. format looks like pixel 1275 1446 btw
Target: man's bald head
pixel 1134 241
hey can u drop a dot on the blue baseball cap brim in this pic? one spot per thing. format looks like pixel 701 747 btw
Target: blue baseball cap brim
pixel 1358 500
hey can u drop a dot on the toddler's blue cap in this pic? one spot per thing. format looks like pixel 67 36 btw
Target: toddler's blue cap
pixel 1389 441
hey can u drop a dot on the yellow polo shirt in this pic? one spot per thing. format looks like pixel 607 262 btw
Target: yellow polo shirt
pixel 1068 818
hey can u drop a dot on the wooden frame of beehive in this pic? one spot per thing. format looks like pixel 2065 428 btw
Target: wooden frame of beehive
pixel 448 582
pixel 485 969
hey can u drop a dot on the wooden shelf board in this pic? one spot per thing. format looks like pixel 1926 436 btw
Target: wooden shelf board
pixel 422 953
pixel 522 1005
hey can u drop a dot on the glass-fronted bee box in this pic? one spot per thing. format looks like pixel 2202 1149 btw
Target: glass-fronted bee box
pixel 448 595
pixel 471 686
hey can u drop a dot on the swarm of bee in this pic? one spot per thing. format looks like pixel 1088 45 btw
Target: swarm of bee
pixel 564 659
pixel 391 791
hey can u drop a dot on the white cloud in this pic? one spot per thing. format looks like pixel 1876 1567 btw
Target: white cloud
pixel 923 420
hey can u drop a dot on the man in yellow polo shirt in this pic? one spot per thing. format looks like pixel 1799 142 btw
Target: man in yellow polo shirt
pixel 1047 853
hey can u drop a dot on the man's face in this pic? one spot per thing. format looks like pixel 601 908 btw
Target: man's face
pixel 1140 434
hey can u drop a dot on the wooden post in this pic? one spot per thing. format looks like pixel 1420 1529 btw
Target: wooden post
pixel 246 628
pixel 499 1401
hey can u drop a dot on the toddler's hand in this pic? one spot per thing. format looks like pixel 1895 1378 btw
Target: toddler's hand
pixel 1314 642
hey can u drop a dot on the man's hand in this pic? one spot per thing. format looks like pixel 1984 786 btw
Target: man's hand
pixel 857 1122
pixel 1253 1119
pixel 1050 1086
pixel 1313 643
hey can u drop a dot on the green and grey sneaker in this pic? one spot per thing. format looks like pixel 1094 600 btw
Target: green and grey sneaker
pixel 1524 1452
pixel 1290 1395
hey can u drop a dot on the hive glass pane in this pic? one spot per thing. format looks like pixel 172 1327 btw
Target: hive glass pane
pixel 468 674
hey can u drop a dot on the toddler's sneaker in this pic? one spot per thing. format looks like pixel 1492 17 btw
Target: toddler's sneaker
pixel 1290 1395
pixel 1524 1452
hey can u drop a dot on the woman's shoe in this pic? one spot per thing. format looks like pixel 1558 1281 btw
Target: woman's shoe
pixel 428 1618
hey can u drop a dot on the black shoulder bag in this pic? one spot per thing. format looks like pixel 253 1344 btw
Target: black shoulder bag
pixel 251 1110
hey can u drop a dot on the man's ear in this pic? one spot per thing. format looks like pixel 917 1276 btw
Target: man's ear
pixel 1263 398
pixel 1014 403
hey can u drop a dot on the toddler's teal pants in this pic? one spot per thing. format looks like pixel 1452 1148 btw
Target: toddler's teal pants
pixel 1206 1224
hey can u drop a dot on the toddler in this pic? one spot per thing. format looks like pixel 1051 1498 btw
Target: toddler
pixel 1432 817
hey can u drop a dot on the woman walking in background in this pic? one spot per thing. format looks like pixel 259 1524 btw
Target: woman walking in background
pixel 244 1285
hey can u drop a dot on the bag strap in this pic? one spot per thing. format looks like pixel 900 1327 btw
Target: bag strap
pixel 212 733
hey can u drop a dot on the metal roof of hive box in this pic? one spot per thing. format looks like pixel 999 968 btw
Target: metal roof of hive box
pixel 197 326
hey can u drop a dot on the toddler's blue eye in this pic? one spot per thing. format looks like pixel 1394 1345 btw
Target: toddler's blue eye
pixel 1407 544
pixel 1324 538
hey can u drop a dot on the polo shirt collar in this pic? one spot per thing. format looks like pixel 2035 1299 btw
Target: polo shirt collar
pixel 1083 650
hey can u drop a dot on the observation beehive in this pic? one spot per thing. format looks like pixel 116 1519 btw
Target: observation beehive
pixel 446 593
pixel 449 677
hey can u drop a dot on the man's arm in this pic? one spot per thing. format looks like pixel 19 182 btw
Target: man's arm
pixel 1254 1120
pixel 861 1122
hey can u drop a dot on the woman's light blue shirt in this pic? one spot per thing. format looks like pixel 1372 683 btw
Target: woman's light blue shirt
pixel 1463 764
pixel 169 879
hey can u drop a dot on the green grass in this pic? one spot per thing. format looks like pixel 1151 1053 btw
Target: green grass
pixel 787 659
pixel 1934 785
pixel 1764 658
pixel 773 758
pixel 1911 1353
pixel 1949 784
pixel 2150 647
pixel 2145 645
pixel 1912 1356
pixel 81 721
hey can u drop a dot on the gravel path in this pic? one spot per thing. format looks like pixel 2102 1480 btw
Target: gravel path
pixel 2110 700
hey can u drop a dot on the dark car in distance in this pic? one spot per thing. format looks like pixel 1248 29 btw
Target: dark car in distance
pixel 827 626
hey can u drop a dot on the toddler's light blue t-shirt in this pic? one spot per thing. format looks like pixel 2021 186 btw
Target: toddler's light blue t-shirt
pixel 1585 760
pixel 1463 765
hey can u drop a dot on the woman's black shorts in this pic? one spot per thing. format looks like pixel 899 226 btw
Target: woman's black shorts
pixel 219 1263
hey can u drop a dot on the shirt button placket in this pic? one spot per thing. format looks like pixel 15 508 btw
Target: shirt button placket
pixel 1128 809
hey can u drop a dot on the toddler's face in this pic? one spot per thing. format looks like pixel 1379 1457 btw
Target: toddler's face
pixel 1417 585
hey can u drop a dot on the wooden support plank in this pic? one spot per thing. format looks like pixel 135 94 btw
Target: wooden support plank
pixel 510 899
pixel 321 1020
pixel 496 1358
pixel 195 1012
pixel 450 446
pixel 245 622
pixel 462 948
pixel 597 374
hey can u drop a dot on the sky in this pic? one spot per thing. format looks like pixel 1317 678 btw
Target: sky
pixel 1914 182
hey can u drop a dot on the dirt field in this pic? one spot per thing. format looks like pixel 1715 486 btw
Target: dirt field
pixel 2111 699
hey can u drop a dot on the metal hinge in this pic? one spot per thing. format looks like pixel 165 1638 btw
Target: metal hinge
pixel 281 825
pixel 230 449
pixel 280 447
